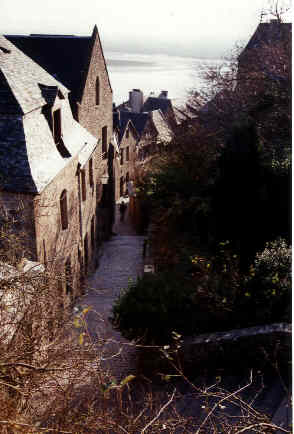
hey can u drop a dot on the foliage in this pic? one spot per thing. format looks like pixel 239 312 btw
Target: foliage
pixel 229 164
pixel 201 294
pixel 197 295
pixel 269 282
pixel 154 307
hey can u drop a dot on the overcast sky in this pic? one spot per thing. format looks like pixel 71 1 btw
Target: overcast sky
pixel 200 28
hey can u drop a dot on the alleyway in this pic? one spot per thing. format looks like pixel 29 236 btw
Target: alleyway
pixel 121 261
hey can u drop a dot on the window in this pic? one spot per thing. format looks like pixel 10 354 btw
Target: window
pixel 91 182
pixel 44 253
pixel 127 133
pixel 127 154
pixel 97 91
pixel 84 191
pixel 57 126
pixel 121 156
pixel 92 233
pixel 86 254
pixel 121 186
pixel 127 182
pixel 63 210
pixel 68 277
pixel 104 142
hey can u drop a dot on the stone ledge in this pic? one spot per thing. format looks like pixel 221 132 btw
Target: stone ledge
pixel 249 345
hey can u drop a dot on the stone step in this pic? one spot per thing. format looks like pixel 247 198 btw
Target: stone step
pixel 126 238
pixel 283 415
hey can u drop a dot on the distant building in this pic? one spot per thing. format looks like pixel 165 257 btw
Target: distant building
pixel 126 138
pixel 153 118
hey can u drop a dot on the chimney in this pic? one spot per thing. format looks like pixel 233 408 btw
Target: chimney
pixel 163 94
pixel 136 100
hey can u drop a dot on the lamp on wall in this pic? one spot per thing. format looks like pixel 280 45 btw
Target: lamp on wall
pixel 104 179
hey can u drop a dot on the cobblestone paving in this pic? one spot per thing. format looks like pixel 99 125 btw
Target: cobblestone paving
pixel 122 260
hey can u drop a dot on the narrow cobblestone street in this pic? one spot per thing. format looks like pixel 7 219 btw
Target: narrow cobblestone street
pixel 121 260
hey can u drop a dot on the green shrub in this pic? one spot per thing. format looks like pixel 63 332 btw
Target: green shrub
pixel 196 296
pixel 154 307
pixel 268 286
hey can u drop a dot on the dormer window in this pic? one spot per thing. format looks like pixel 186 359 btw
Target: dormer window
pixel 57 126
pixel 4 50
pixel 97 89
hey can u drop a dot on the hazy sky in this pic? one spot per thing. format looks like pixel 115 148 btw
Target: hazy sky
pixel 189 27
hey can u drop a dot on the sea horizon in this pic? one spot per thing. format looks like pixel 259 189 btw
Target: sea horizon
pixel 153 73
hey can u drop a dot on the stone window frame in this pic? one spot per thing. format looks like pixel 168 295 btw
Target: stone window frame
pixel 127 153
pixel 63 209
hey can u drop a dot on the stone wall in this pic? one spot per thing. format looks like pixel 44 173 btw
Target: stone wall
pixel 94 117
pixel 56 246
pixel 253 346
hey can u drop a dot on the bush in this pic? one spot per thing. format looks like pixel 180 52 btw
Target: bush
pixel 154 307
pixel 196 295
pixel 269 282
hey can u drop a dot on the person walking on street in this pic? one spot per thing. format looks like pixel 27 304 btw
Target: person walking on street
pixel 122 210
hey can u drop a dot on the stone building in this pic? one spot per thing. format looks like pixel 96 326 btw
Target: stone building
pixel 50 170
pixel 78 63
pixel 126 137
pixel 154 119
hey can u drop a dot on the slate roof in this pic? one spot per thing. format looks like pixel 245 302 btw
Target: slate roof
pixel 53 53
pixel 162 127
pixel 20 81
pixel 29 158
pixel 138 120
pixel 155 103
pixel 65 57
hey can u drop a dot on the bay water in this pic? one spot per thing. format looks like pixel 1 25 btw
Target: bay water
pixel 155 72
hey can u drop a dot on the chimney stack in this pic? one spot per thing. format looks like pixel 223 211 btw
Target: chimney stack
pixel 136 100
pixel 163 94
